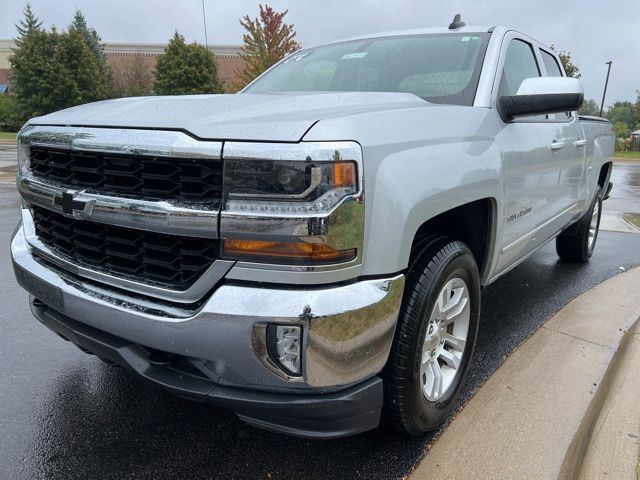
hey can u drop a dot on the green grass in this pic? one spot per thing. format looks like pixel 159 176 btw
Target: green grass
pixel 632 155
pixel 7 136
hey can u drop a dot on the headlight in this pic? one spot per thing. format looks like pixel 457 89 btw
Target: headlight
pixel 287 187
pixel 292 204
pixel 23 157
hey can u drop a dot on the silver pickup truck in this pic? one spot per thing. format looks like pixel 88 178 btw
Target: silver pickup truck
pixel 310 252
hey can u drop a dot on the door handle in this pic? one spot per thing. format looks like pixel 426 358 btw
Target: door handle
pixel 555 146
pixel 580 143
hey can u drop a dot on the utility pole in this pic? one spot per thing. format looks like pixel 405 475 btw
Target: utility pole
pixel 606 83
pixel 204 20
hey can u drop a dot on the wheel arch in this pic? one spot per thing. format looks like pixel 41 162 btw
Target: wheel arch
pixel 473 223
pixel 605 174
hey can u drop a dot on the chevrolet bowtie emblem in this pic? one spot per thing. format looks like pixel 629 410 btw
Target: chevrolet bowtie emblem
pixel 68 203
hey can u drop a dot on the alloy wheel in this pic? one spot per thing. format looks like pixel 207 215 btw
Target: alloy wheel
pixel 445 339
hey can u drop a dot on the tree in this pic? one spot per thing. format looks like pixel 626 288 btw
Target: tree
pixel 90 36
pixel 570 68
pixel 624 112
pixel 29 34
pixel 94 42
pixel 590 107
pixel 81 78
pixel 132 78
pixel 27 25
pixel 31 72
pixel 52 71
pixel 186 69
pixel 621 129
pixel 267 40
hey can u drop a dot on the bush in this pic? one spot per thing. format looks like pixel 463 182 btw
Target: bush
pixel 627 145
pixel 8 118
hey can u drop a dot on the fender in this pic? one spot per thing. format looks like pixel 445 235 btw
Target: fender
pixel 415 169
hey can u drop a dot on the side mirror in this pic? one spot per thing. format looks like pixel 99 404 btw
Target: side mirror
pixel 542 95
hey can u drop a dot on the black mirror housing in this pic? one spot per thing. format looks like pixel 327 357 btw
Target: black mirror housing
pixel 512 106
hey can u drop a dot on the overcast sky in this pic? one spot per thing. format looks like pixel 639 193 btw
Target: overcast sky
pixel 594 31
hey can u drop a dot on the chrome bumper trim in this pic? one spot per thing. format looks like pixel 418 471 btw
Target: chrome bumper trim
pixel 293 275
pixel 191 295
pixel 348 329
pixel 149 215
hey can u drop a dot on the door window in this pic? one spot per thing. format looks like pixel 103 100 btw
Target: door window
pixel 551 64
pixel 519 63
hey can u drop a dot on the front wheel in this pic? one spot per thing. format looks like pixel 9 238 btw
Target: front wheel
pixel 576 244
pixel 434 339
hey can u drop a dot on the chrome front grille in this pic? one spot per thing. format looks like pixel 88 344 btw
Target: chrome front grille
pixel 132 209
pixel 165 260
pixel 185 179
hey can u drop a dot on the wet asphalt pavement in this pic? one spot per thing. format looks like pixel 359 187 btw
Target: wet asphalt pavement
pixel 64 414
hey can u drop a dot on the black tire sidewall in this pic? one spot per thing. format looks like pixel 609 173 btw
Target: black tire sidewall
pixel 572 245
pixel 428 415
pixel 597 201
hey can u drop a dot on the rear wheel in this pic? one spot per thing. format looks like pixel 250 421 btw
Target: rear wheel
pixel 577 243
pixel 434 338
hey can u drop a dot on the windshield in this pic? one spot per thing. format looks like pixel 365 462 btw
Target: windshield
pixel 441 68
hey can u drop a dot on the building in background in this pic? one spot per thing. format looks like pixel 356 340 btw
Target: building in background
pixel 119 54
pixel 5 67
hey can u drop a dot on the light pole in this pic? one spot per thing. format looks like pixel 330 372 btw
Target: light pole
pixel 204 21
pixel 606 83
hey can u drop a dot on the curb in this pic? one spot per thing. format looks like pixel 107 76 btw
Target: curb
pixel 606 444
pixel 540 413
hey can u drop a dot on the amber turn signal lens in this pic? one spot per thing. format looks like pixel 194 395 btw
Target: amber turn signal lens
pixel 344 174
pixel 285 252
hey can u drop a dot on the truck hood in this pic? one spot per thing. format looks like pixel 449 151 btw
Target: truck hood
pixel 263 117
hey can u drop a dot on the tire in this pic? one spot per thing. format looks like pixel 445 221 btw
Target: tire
pixel 577 243
pixel 413 403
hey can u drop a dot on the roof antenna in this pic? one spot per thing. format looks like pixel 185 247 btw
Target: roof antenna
pixel 457 22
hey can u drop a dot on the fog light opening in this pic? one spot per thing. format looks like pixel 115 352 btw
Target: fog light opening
pixel 285 347
pixel 161 359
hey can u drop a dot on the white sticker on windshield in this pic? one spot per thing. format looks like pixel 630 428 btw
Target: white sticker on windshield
pixel 347 56
pixel 297 56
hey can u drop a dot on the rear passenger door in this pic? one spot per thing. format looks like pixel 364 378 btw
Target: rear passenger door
pixel 570 155
pixel 533 206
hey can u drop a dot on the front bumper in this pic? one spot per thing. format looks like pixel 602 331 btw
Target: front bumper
pixel 350 411
pixel 348 330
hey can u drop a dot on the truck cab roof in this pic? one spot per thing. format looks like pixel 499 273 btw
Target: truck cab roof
pixel 416 31
pixel 474 29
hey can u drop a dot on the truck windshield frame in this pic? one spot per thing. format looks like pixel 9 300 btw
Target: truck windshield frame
pixel 440 68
